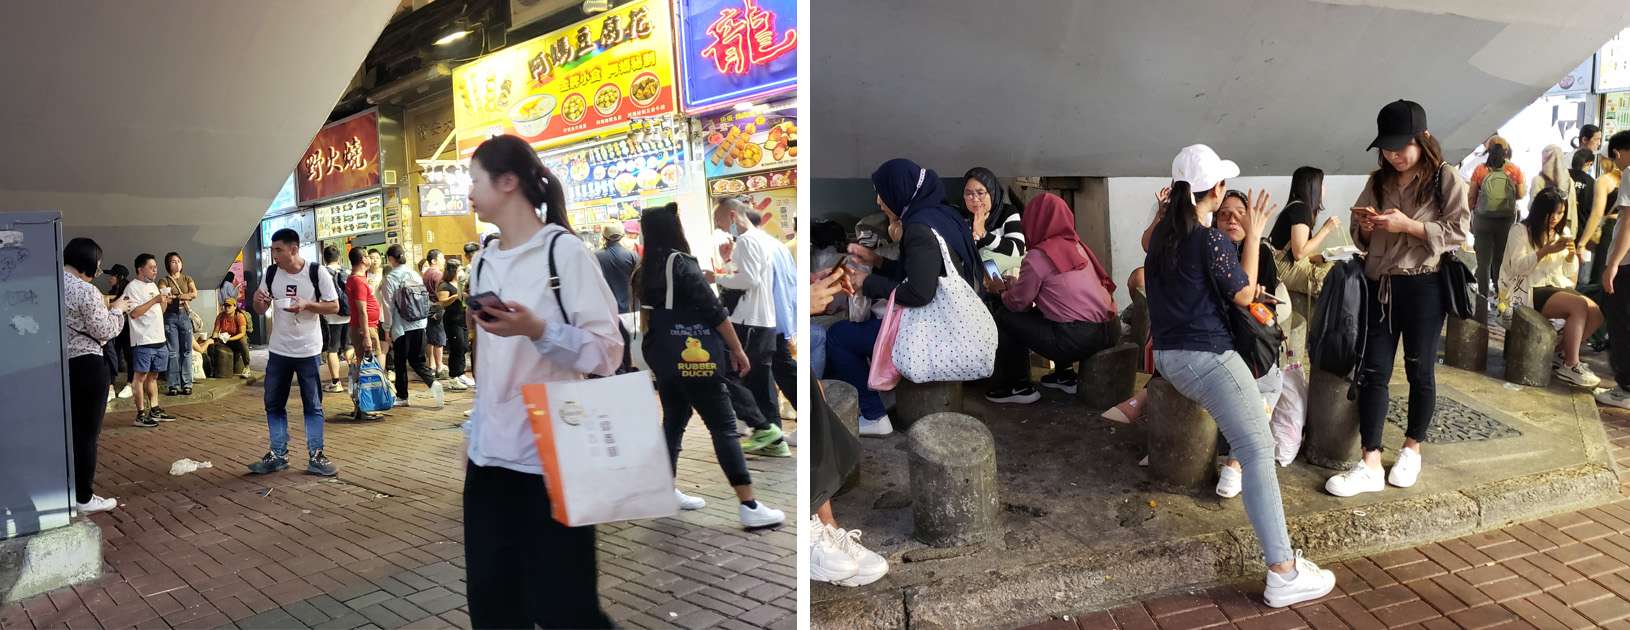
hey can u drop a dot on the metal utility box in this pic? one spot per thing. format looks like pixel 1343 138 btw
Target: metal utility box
pixel 36 479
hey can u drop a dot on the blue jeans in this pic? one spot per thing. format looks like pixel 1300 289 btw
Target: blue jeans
pixel 817 351
pixel 178 337
pixel 280 372
pixel 1223 386
pixel 849 347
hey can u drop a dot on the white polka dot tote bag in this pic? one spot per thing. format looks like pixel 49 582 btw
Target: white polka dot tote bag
pixel 952 338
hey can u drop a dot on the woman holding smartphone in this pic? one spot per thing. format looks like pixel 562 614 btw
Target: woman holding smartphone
pixel 1412 212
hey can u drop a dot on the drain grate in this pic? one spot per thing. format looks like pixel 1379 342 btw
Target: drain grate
pixel 1454 422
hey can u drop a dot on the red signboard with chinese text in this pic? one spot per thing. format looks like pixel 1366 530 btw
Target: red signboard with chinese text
pixel 342 159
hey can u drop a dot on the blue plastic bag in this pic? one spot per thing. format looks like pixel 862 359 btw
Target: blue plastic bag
pixel 369 389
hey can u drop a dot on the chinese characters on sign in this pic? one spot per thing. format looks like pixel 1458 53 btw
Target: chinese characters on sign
pixel 746 38
pixel 342 159
pixel 317 164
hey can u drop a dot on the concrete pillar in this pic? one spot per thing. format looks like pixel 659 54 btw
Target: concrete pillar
pixel 953 481
pixel 1137 316
pixel 845 403
pixel 1467 344
pixel 1109 377
pixel 1530 342
pixel 1182 439
pixel 1332 422
pixel 914 401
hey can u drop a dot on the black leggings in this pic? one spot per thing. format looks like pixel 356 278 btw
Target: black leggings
pixel 1416 315
pixel 785 370
pixel 710 400
pixel 409 350
pixel 525 569
pixel 458 345
pixel 88 380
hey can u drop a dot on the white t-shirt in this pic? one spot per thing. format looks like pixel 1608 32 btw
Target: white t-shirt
pixel 337 318
pixel 297 335
pixel 149 328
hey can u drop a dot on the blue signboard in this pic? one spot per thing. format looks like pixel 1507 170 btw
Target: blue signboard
pixel 732 51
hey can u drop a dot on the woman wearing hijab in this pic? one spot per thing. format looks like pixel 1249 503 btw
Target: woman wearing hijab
pixel 1060 306
pixel 997 231
pixel 912 198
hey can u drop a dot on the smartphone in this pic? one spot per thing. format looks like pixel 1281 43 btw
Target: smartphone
pixel 991 271
pixel 486 301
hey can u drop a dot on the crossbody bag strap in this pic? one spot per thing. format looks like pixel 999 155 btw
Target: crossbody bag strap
pixel 670 300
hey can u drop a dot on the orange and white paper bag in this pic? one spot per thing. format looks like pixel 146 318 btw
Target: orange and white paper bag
pixel 604 455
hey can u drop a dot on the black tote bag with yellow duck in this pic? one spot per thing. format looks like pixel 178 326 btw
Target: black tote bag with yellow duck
pixel 678 345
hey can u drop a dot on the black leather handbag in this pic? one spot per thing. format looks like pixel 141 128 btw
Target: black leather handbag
pixel 1459 286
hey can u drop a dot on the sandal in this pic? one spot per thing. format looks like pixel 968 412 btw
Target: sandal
pixel 1125 413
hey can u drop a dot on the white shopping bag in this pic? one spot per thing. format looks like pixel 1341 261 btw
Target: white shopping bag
pixel 1290 415
pixel 602 448
pixel 631 323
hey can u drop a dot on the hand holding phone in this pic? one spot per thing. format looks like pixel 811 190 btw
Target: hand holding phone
pixel 487 301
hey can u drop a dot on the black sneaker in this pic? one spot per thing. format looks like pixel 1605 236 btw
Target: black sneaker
pixel 157 413
pixel 269 463
pixel 186 391
pixel 172 391
pixel 1023 395
pixel 145 422
pixel 1061 379
pixel 318 464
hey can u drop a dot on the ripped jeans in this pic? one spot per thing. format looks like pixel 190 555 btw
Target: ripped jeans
pixel 1416 315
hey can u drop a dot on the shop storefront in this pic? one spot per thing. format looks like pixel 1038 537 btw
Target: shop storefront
pixel 738 69
pixel 345 182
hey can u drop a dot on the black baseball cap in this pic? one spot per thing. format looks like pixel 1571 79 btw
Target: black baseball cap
pixel 118 271
pixel 1398 123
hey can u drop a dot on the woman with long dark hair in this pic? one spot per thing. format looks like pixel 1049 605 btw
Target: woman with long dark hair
pixel 1541 270
pixel 998 232
pixel 523 567
pixel 1293 230
pixel 1194 274
pixel 1411 212
pixel 690 300
pixel 91 324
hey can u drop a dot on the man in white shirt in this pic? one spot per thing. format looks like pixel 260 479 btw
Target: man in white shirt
pixel 299 294
pixel 148 351
pixel 753 258
pixel 336 327
pixel 406 335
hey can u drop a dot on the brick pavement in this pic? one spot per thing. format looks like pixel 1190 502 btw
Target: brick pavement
pixel 380 546
pixel 1567 571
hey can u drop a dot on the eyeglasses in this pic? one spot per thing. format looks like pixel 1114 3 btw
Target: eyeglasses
pixel 975 194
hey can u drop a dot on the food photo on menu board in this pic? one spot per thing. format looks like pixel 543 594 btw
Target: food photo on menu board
pixel 741 142
pixel 620 169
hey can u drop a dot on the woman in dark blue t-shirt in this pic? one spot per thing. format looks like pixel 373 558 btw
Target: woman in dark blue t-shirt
pixel 1190 269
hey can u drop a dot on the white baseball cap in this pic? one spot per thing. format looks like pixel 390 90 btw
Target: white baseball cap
pixel 1198 165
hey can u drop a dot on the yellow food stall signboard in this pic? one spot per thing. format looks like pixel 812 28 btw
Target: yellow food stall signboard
pixel 576 82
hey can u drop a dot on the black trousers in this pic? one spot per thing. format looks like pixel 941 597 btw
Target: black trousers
pixel 524 569
pixel 711 400
pixel 1617 314
pixel 1020 333
pixel 1491 235
pixel 759 344
pixel 458 345
pixel 1416 316
pixel 409 349
pixel 88 379
pixel 785 370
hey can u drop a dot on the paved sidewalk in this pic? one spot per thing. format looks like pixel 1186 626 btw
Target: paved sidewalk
pixel 381 544
pixel 1567 571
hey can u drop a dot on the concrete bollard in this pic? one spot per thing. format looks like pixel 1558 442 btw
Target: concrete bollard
pixel 953 481
pixel 1530 343
pixel 1182 439
pixel 914 401
pixel 1137 317
pixel 1109 377
pixel 1332 422
pixel 1467 345
pixel 845 404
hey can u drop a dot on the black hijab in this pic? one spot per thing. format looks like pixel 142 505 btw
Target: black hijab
pixel 917 196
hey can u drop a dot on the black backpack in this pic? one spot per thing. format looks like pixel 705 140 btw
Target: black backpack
pixel 339 288
pixel 1336 335
pixel 311 272
pixel 1255 342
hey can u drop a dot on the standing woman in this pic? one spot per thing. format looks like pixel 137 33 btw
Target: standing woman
pixel 523 567
pixel 1293 230
pixel 694 302
pixel 178 326
pixel 451 300
pixel 997 230
pixel 1553 173
pixel 1412 211
pixel 435 330
pixel 1603 223
pixel 1495 188
pixel 1190 269
pixel 91 323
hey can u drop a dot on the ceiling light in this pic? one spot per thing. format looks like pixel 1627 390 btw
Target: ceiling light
pixel 452 37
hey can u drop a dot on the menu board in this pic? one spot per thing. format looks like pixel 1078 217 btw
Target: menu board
pixel 620 169
pixel 767 180
pixel 742 142
pixel 575 82
pixel 1613 64
pixel 353 216
pixel 1615 113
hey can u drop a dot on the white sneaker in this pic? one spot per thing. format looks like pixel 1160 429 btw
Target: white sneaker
pixel 1359 479
pixel 876 428
pixel 96 504
pixel 467 412
pixel 1579 375
pixel 1229 482
pixel 401 402
pixel 828 562
pixel 872 566
pixel 1615 397
pixel 439 394
pixel 1407 469
pixel 126 393
pixel 763 516
pixel 112 395
pixel 465 380
pixel 792 436
pixel 1310 583
pixel 688 502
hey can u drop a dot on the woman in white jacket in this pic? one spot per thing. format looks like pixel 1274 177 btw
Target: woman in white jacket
pixel 523 567
pixel 1540 270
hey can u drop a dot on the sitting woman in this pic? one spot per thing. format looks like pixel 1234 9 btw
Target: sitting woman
pixel 1060 306
pixel 230 335
pixel 1540 270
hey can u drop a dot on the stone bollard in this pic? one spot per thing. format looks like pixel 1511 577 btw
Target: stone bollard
pixel 953 481
pixel 845 404
pixel 1109 377
pixel 1467 345
pixel 1182 439
pixel 1530 343
pixel 1332 422
pixel 1137 317
pixel 914 401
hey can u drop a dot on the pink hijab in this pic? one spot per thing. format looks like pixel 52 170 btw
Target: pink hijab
pixel 1049 226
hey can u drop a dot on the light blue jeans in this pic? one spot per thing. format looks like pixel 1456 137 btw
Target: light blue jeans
pixel 1223 386
pixel 178 337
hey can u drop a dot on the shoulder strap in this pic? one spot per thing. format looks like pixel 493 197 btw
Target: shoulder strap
pixel 316 287
pixel 554 278
pixel 271 274
pixel 670 302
